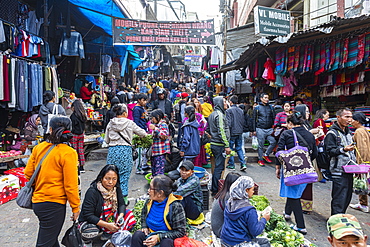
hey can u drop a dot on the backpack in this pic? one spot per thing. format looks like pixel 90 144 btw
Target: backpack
pixel 323 159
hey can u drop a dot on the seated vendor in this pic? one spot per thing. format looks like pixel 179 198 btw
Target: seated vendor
pixel 103 208
pixel 189 188
pixel 30 131
pixel 85 92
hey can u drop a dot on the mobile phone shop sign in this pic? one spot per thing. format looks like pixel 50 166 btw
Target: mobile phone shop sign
pixel 271 22
pixel 141 32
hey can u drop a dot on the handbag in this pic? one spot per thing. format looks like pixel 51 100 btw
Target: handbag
pixel 72 237
pixel 135 154
pixel 54 113
pixel 353 167
pixel 298 168
pixel 24 198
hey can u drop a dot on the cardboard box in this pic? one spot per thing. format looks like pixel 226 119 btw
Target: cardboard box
pixel 9 188
pixel 19 173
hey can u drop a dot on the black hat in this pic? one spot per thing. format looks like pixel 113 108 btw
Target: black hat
pixel 187 164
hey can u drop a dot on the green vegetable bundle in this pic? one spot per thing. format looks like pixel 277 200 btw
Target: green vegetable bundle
pixel 259 202
pixel 137 214
pixel 143 142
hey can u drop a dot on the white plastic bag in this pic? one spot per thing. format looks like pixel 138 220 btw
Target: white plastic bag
pixel 254 142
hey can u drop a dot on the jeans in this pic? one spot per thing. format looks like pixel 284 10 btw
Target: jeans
pixel 237 141
pixel 262 135
pixel 191 209
pixel 51 216
pixel 341 193
pixel 219 166
pixel 139 237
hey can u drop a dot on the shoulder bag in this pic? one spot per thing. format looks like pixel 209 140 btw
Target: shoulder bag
pixel 24 198
pixel 54 113
pixel 135 154
pixel 298 168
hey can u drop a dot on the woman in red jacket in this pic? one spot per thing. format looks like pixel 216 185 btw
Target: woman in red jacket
pixel 85 92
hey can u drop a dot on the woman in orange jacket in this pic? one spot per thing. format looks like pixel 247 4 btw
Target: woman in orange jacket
pixel 56 183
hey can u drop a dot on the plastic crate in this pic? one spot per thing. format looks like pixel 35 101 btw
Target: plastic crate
pixel 205 192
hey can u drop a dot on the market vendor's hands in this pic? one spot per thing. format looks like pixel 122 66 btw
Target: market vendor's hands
pixel 145 231
pixel 151 126
pixel 266 216
pixel 277 172
pixel 151 241
pixel 227 151
pixel 120 220
pixel 182 154
pixel 349 147
pixel 111 227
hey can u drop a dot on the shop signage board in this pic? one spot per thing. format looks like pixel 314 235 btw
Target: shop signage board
pixel 142 32
pixel 194 61
pixel 271 22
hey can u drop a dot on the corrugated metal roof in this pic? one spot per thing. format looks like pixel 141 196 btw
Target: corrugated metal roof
pixel 240 37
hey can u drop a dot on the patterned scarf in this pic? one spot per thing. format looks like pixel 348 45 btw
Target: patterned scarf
pixel 109 196
pixel 238 195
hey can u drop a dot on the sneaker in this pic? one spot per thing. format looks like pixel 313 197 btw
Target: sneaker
pixel 300 230
pixel 358 206
pixel 267 159
pixel 231 167
pixel 287 217
pixel 81 169
pixel 87 244
pixel 243 167
pixel 261 163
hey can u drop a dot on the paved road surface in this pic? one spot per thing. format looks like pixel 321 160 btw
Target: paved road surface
pixel 18 226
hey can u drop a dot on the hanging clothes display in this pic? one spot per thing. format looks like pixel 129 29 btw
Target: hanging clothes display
pixel 72 46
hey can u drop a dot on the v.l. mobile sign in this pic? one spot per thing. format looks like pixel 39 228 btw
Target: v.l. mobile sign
pixel 268 21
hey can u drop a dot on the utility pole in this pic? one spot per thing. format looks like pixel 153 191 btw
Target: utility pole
pixel 226 15
pixel 155 9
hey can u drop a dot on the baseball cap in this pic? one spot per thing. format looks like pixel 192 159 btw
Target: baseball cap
pixel 187 164
pixel 184 95
pixel 341 225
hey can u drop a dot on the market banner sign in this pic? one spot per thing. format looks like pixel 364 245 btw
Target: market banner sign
pixel 141 32
pixel 271 22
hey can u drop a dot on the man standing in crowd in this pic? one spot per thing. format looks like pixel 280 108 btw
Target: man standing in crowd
pixel 154 93
pixel 121 95
pixel 235 121
pixel 339 146
pixel 263 120
pixel 345 230
pixel 220 136
pixel 180 114
pixel 202 84
pixel 163 103
pixel 166 83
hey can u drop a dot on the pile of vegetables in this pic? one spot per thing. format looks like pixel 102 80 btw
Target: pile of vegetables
pixel 277 230
pixel 137 214
pixel 143 142
pixel 208 149
pixel 360 186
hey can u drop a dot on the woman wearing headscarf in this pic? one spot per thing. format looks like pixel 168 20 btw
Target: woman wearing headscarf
pixel 294 193
pixel 362 140
pixel 30 131
pixel 241 224
pixel 307 196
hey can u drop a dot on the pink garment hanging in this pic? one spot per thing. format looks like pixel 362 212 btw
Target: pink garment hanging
pixel 268 73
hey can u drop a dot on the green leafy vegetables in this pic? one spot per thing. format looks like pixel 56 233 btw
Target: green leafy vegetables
pixel 143 142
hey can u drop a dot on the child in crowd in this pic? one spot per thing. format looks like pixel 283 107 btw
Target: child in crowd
pixel 161 141
pixel 78 119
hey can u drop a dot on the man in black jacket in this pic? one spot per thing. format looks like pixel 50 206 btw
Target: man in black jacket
pixel 164 104
pixel 235 121
pixel 263 120
pixel 339 146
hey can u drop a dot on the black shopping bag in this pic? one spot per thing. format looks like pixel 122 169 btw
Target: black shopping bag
pixel 72 237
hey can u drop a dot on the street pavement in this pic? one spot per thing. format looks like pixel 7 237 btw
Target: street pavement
pixel 19 227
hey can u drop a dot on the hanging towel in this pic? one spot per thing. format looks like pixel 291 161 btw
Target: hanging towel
pixel 301 59
pixel 327 55
pixel 345 53
pixel 296 58
pixel 322 59
pixel 280 61
pixel 352 53
pixel 361 49
pixel 5 74
pixel 1 78
pixel 13 99
pixel 316 58
pixel 55 84
pixel 337 55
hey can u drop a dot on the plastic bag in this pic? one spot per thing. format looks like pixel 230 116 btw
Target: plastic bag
pixel 122 238
pixel 254 142
pixel 72 237
pixel 188 242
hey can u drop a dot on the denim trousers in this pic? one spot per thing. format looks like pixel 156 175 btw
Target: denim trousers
pixel 262 135
pixel 218 153
pixel 236 144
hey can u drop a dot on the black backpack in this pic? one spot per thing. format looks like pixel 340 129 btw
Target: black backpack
pixel 323 159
